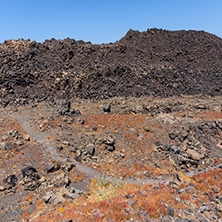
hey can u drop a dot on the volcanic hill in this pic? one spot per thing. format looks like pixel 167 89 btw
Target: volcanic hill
pixel 156 62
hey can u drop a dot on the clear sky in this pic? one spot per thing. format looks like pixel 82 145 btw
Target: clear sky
pixel 103 21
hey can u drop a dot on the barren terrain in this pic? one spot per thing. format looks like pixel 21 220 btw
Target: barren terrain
pixel 126 131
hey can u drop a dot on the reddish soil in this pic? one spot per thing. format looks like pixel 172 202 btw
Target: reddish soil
pixel 116 184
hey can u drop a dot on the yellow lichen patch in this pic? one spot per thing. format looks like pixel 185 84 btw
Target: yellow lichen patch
pixel 188 178
pixel 61 209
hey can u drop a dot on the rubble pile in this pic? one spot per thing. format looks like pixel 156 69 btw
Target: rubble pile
pixel 155 62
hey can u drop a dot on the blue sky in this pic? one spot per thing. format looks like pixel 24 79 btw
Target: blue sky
pixel 104 21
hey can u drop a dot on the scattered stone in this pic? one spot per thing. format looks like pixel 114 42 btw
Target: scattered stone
pixel 62 180
pixel 157 143
pixel 170 211
pixel 110 141
pixel 68 167
pixel 194 154
pixel 66 220
pixel 2 188
pixel 215 189
pixel 52 167
pixel 94 128
pixel 27 137
pixel 77 191
pixel 80 120
pixel 59 148
pixel 78 158
pixel 19 143
pixel 31 183
pixel 172 135
pixel 97 213
pixel 205 208
pixel 47 197
pixel 130 202
pixel 176 198
pixel 213 199
pixel 179 179
pixel 76 112
pixel 167 147
pixel 106 107
pixel 217 209
pixel 110 148
pixel 146 128
pixel 194 195
pixel 11 180
pixel 127 209
pixel 67 194
pixel 53 198
pixel 184 133
pixel 181 191
pixel 49 167
pixel 5 137
pixel 90 149
pixel 175 150
pixel 3 146
pixel 30 178
pixel 43 124
pixel 27 171
pixel 79 152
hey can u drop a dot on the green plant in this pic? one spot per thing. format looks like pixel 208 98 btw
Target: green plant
pixel 102 181
pixel 103 188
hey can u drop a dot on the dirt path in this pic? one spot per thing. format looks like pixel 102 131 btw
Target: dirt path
pixel 42 138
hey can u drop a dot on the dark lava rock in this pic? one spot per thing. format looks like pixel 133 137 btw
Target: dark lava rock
pixel 106 107
pixel 30 178
pixel 157 143
pixel 27 171
pixel 90 149
pixel 49 167
pixel 94 128
pixel 213 199
pixel 109 141
pixel 66 220
pixel 80 120
pixel 68 167
pixel 59 148
pixel 60 113
pixel 167 147
pixel 31 183
pixel 32 71
pixel 62 180
pixel 175 150
pixel 217 209
pixel 11 180
pixel 78 158
pixel 181 191
pixel 205 208
pixel 170 211
pixel 52 167
pixel 110 147
pixel 172 136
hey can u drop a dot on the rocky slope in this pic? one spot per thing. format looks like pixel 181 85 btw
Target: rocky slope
pixel 138 159
pixel 112 132
pixel 156 62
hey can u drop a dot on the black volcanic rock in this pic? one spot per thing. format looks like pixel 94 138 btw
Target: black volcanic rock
pixel 155 62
